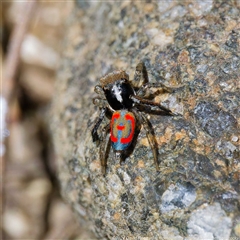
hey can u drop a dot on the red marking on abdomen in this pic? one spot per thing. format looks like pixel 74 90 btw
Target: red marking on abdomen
pixel 115 115
pixel 128 139
pixel 120 127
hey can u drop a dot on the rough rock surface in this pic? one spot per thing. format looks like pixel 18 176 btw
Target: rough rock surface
pixel 193 46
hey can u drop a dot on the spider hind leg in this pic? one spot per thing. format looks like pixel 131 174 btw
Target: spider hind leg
pixel 104 148
pixel 150 136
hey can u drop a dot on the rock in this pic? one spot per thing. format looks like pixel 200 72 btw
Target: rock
pixel 209 223
pixel 193 47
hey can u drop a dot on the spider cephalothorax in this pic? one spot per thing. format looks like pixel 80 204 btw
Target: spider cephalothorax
pixel 117 89
pixel 126 101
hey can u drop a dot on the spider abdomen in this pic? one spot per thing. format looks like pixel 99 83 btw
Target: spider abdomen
pixel 122 129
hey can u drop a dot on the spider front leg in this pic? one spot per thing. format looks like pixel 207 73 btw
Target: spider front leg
pixel 140 76
pixel 152 106
pixel 142 91
pixel 141 81
pixel 150 136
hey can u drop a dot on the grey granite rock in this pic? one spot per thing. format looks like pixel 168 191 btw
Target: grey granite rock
pixel 192 46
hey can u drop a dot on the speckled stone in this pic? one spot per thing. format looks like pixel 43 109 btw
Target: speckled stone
pixel 192 46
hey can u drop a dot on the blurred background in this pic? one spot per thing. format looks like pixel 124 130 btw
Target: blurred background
pixel 31 33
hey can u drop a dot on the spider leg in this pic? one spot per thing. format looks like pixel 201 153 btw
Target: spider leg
pixel 95 136
pixel 98 89
pixel 143 89
pixel 141 82
pixel 104 148
pixel 150 135
pixel 140 76
pixel 100 102
pixel 149 104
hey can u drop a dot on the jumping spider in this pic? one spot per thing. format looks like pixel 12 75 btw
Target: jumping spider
pixel 125 100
